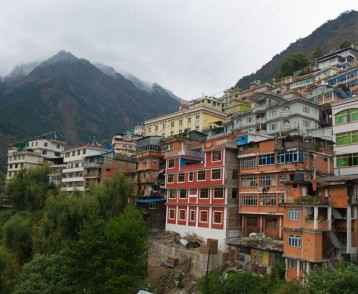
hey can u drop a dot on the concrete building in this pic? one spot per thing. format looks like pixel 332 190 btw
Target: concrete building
pixel 124 144
pixel 267 166
pixel 33 153
pixel 342 58
pixel 151 166
pixel 201 187
pixel 345 130
pixel 199 115
pixel 273 114
pixel 323 228
pixel 73 175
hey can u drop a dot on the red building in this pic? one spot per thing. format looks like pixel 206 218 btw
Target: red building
pixel 201 186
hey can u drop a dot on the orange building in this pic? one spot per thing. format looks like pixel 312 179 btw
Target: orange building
pixel 323 227
pixel 273 173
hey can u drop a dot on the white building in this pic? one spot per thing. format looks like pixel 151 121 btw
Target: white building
pixel 125 144
pixel 73 175
pixel 274 114
pixel 342 58
pixel 32 154
pixel 345 130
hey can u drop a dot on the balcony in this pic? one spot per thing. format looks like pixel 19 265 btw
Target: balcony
pixel 92 164
pixel 188 154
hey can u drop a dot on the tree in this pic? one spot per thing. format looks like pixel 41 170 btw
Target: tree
pixel 112 255
pixel 113 195
pixel 7 271
pixel 63 218
pixel 345 44
pixel 293 63
pixel 30 188
pixel 44 275
pixel 18 236
pixel 317 53
pixel 341 280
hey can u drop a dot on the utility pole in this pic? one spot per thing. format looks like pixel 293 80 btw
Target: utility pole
pixel 207 272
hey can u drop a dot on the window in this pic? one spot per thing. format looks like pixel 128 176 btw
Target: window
pixel 293 214
pixel 171 163
pixel 216 174
pixel 182 214
pixel 273 127
pixel 84 151
pixel 290 156
pixel 248 181
pixel 171 178
pixel 306 109
pixel 346 116
pixel 234 193
pixel 268 199
pixel 180 122
pixel 248 200
pixel 216 155
pixel 295 241
pixel 172 194
pixel 201 175
pixel 181 178
pixel 189 120
pixel 265 180
pixel 191 176
pixel 235 174
pixel 171 213
pixel 203 216
pixel 283 178
pixel 266 159
pixel 347 138
pixel 204 193
pixel 218 192
pixel 291 263
pixel 218 217
pixel 172 123
pixel 192 215
pixel 182 193
pixel 78 152
pixel 347 160
pixel 248 162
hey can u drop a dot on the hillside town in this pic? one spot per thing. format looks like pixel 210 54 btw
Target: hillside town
pixel 247 179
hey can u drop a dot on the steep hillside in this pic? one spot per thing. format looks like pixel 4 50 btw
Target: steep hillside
pixel 327 37
pixel 72 96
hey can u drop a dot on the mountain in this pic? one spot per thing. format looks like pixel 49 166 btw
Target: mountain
pixel 327 37
pixel 74 97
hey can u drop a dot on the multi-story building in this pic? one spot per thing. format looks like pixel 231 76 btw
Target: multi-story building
pixel 345 130
pixel 201 187
pixel 323 227
pixel 342 58
pixel 151 166
pixel 273 114
pixel 124 144
pixel 347 79
pixel 198 116
pixel 33 153
pixel 73 175
pixel 271 173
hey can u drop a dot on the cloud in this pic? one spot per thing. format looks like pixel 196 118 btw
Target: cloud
pixel 191 47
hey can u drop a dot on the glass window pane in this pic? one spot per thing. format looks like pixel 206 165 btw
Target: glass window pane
pixel 354 114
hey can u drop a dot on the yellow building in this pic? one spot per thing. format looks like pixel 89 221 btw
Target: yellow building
pixel 199 115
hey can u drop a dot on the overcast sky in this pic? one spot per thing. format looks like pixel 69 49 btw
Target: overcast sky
pixel 192 47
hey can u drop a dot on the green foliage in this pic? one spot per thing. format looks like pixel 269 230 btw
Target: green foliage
pixel 345 44
pixel 63 219
pixel 18 236
pixel 342 280
pixel 44 275
pixel 7 271
pixel 317 53
pixel 29 189
pixel 293 63
pixel 113 195
pixel 112 255
pixel 230 283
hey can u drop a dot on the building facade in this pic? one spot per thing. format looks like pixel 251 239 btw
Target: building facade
pixel 202 188
pixel 198 116
pixel 33 153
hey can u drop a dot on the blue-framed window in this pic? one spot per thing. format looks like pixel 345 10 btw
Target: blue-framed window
pixel 267 159
pixel 290 156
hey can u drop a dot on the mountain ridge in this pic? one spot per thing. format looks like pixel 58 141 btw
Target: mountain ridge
pixel 72 96
pixel 327 37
